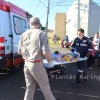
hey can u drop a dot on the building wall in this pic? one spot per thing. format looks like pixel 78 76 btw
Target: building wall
pixel 88 18
pixel 94 19
pixel 60 25
pixel 77 19
pixel 84 15
pixel 71 22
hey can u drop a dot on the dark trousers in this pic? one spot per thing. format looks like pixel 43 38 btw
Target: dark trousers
pixel 81 71
pixel 90 61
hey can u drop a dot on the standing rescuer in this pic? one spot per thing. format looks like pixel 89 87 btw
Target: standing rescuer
pixel 82 45
pixel 33 46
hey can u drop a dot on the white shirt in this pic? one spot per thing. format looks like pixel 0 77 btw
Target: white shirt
pixel 96 42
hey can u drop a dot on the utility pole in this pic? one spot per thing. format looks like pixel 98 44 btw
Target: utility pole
pixel 48 8
pixel 99 28
pixel 78 15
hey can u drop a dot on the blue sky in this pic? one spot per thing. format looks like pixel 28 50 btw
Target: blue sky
pixel 36 8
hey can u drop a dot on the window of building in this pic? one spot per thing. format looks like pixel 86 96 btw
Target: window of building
pixel 19 25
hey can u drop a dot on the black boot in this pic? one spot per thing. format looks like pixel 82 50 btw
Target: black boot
pixel 78 81
pixel 84 77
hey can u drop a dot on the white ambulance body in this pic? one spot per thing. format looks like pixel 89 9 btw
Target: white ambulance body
pixel 13 22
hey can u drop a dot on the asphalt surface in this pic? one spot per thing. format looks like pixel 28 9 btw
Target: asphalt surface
pixel 12 85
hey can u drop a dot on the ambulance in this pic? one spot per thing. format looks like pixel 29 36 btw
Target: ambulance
pixel 13 22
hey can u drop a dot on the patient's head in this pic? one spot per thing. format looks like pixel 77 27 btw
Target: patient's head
pixel 56 52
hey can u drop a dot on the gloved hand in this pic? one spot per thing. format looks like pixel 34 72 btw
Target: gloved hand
pixel 51 64
pixel 75 54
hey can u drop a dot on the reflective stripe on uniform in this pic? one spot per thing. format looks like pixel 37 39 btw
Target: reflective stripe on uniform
pixel 77 44
pixel 90 49
pixel 83 45
pixel 81 71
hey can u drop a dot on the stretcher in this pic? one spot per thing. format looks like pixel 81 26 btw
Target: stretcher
pixel 56 62
pixel 62 62
pixel 59 67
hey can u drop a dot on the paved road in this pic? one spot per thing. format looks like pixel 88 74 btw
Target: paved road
pixel 12 85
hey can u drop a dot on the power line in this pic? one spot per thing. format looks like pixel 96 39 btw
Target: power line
pixel 77 4
pixel 55 4
pixel 66 5
pixel 66 1
pixel 45 11
pixel 43 3
pixel 51 7
pixel 60 2
pixel 36 7
pixel 43 14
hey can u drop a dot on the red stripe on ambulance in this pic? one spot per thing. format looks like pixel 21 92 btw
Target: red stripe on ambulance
pixel 2 46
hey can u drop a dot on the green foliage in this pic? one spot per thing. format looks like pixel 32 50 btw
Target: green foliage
pixel 58 38
pixel 49 37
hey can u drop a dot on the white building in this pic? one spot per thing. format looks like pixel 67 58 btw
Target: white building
pixel 86 15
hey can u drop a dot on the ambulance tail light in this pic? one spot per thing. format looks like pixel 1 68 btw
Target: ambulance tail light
pixel 2 46
pixel 5 8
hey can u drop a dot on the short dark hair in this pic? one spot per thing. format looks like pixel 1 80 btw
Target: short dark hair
pixel 91 38
pixel 56 52
pixel 81 30
pixel 97 33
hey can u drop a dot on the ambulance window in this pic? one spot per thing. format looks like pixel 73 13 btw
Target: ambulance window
pixel 19 25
